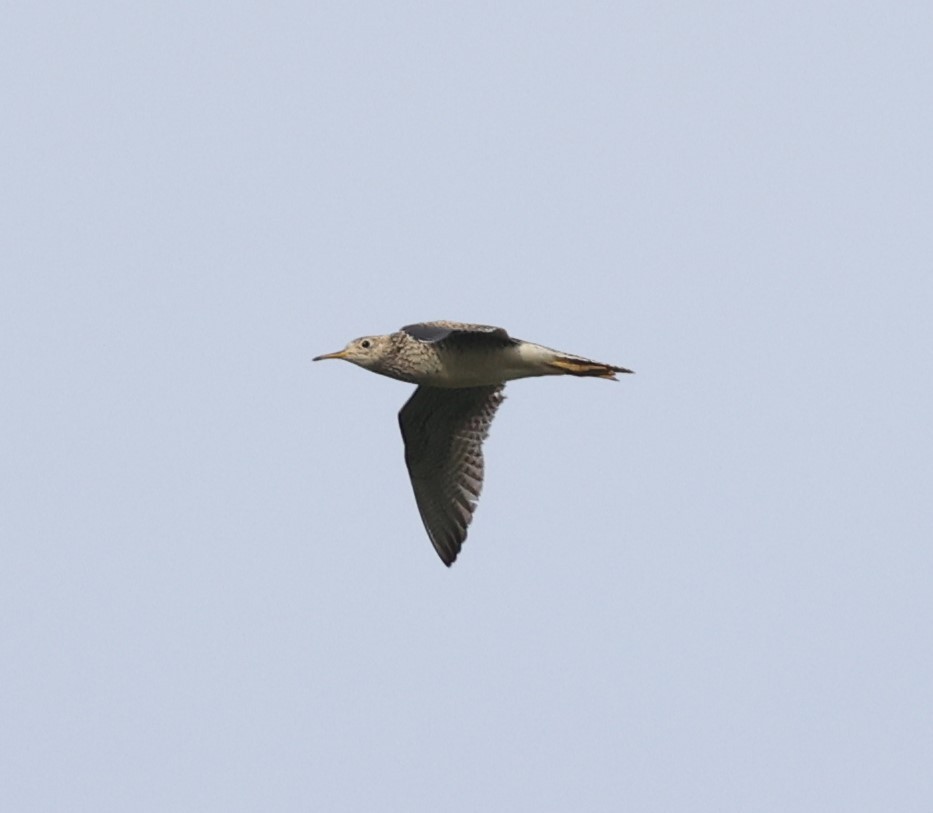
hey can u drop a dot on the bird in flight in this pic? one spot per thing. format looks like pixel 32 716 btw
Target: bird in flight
pixel 460 370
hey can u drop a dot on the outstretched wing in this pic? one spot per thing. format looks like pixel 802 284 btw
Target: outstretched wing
pixel 443 431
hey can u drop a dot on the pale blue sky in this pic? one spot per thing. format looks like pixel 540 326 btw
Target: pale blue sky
pixel 704 588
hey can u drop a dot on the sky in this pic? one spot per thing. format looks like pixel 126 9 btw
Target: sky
pixel 706 587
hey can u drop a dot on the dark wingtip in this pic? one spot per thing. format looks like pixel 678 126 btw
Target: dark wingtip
pixel 450 556
pixel 446 550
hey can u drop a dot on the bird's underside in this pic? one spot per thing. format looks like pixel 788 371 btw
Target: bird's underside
pixel 460 370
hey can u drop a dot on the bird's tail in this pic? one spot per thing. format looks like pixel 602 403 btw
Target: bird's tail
pixel 573 365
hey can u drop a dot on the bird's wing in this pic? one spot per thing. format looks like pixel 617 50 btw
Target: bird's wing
pixel 444 430
pixel 460 334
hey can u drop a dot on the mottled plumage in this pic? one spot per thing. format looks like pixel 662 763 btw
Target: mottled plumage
pixel 461 370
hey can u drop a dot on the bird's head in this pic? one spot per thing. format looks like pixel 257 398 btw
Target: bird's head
pixel 367 351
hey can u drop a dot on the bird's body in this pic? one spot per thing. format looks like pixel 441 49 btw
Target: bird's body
pixel 460 370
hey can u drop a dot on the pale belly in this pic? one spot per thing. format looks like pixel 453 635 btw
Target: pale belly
pixel 483 369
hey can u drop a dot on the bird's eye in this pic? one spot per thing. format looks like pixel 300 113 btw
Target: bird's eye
pixel 365 344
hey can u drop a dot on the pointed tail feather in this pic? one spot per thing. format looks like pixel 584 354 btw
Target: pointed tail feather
pixel 584 367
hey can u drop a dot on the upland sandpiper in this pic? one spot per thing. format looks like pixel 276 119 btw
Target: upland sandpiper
pixel 460 370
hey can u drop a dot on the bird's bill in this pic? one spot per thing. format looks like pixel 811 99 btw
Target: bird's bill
pixel 340 354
